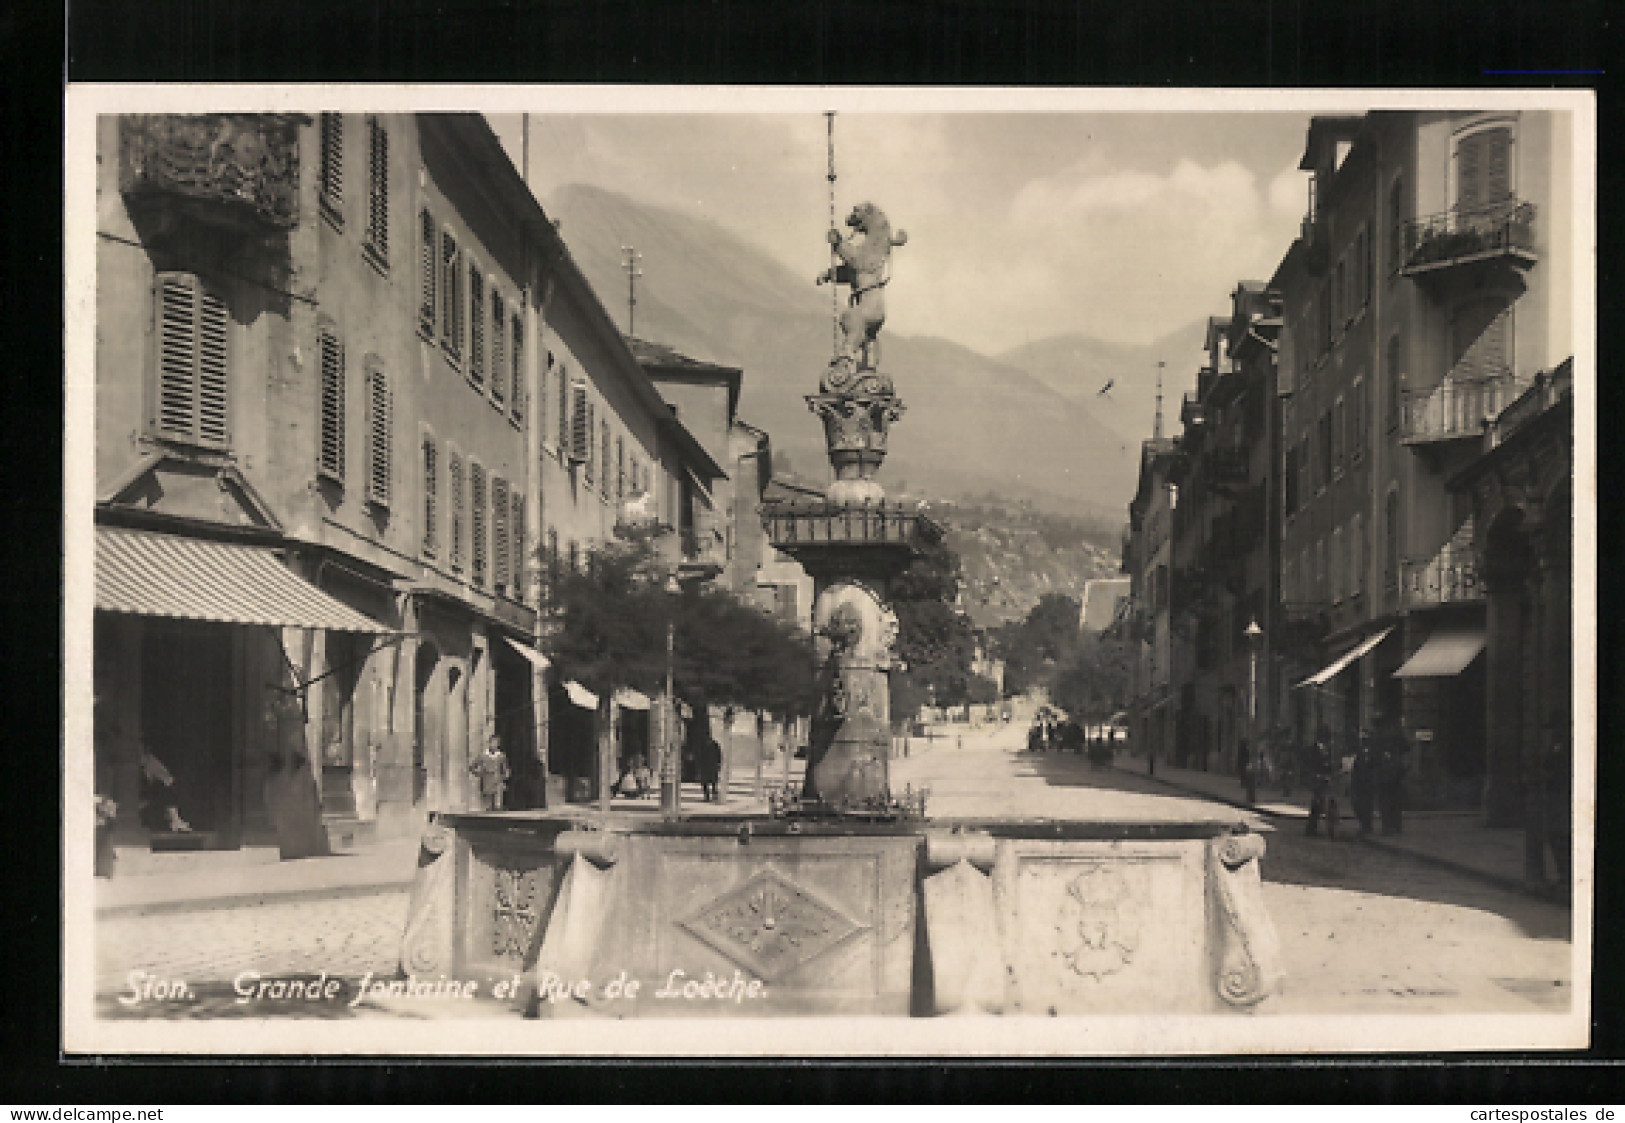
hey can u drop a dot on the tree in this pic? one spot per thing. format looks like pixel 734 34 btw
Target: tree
pixel 612 632
pixel 1094 683
pixel 1034 647
pixel 935 641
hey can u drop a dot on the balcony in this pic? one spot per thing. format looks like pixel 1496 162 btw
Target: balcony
pixel 1458 407
pixel 1503 232
pixel 239 170
pixel 1228 469
pixel 1450 577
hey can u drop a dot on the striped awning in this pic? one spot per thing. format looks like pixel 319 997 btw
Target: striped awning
pixel 628 699
pixel 579 695
pixel 151 574
pixel 1447 651
pixel 1336 666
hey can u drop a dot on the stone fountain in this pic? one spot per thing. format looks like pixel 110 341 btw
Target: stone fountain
pixel 850 901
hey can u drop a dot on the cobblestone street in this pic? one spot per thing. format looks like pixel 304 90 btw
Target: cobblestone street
pixel 1363 930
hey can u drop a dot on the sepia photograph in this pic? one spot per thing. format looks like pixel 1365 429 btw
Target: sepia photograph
pixel 671 571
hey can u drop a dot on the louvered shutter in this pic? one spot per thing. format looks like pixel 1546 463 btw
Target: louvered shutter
pixel 380 436
pixel 427 273
pixel 431 497
pixel 517 565
pixel 476 324
pixel 604 460
pixel 499 329
pixel 1470 172
pixel 194 363
pixel 579 424
pixel 1497 165
pixel 477 520
pixel 450 305
pixel 588 435
pixel 330 454
pixel 332 163
pixel 620 468
pixel 378 184
pixel 517 353
pixel 458 508
pixel 501 557
pixel 564 409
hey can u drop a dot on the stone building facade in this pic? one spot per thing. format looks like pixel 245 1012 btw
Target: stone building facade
pixel 352 348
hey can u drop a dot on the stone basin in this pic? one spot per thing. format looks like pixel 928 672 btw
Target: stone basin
pixel 728 916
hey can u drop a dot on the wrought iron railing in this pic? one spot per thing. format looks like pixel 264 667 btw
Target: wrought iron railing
pixel 834 524
pixel 1455 236
pixel 1458 407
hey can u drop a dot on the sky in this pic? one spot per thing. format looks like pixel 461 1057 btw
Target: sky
pixel 1123 226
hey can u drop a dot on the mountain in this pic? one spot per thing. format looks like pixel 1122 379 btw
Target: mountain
pixel 973 424
pixel 1078 367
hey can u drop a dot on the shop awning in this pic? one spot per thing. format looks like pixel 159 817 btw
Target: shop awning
pixel 1447 651
pixel 531 655
pixel 151 574
pixel 1326 673
pixel 580 695
pixel 628 699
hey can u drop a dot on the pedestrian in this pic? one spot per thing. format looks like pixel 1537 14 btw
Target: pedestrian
pixel 1390 773
pixel 709 762
pixel 1244 769
pixel 160 811
pixel 1035 739
pixel 491 771
pixel 1323 770
pixel 1363 785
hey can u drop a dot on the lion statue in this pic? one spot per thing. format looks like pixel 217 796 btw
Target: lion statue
pixel 865 264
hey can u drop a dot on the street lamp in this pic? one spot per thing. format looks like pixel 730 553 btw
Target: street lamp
pixel 1254 634
pixel 671 764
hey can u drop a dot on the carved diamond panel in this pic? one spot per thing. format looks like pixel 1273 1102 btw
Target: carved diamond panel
pixel 770 925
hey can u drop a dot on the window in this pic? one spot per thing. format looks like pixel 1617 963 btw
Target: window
pixel 330 441
pixel 1320 569
pixel 1396 379
pixel 1390 532
pixel 428 239
pixel 194 362
pixel 431 497
pixel 1368 267
pixel 1327 459
pixel 517 530
pixel 1357 424
pixel 1340 308
pixel 1483 169
pixel 476 325
pixel 634 472
pixel 552 552
pixel 575 557
pixel 501 548
pixel 604 462
pixel 1396 225
pixel 377 191
pixel 1340 444
pixel 451 303
pixel 479 558
pixel 330 174
pixel 580 426
pixel 459 508
pixel 620 469
pixel 516 355
pixel 499 354
pixel 1357 552
pixel 380 436
pixel 565 414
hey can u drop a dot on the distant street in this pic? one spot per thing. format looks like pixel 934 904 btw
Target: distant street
pixel 1362 930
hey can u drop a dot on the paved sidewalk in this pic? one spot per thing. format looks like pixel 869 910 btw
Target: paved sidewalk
pixel 1454 840
pixel 224 879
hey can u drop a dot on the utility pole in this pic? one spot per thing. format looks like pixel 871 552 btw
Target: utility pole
pixel 630 264
pixel 1156 421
